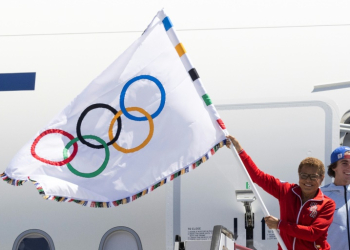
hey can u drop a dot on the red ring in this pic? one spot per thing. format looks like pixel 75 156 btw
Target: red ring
pixel 55 163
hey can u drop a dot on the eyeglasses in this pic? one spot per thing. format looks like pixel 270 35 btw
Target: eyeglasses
pixel 313 177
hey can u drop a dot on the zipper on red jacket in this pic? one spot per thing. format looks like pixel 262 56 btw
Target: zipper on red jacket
pixel 301 207
pixel 301 202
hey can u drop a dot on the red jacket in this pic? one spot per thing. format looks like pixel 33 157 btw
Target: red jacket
pixel 302 226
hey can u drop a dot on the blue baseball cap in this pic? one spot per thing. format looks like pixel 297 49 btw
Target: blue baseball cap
pixel 339 153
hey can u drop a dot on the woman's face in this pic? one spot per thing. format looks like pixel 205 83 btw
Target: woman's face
pixel 309 180
pixel 342 172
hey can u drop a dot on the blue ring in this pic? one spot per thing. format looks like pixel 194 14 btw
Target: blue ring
pixel 126 86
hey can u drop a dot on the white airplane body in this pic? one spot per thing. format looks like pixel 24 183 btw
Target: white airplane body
pixel 281 89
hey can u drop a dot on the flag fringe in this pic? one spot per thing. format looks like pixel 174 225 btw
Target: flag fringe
pixel 98 204
pixel 10 181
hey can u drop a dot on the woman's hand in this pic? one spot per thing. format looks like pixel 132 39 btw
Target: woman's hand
pixel 234 141
pixel 271 222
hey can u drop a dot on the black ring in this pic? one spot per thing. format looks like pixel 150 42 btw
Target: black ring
pixel 80 120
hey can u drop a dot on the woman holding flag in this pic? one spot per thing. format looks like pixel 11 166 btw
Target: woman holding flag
pixel 305 212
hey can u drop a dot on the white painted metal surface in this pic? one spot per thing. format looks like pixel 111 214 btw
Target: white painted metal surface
pixel 261 62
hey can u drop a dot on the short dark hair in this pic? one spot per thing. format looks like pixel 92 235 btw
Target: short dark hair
pixel 312 162
pixel 331 168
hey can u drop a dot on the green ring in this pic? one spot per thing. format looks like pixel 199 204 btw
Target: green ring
pixel 98 171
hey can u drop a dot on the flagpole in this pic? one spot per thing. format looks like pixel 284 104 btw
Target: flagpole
pixel 257 195
pixel 202 92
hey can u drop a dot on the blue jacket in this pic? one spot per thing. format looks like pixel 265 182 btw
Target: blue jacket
pixel 339 231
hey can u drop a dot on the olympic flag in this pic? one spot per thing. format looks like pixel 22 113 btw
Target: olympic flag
pixel 144 121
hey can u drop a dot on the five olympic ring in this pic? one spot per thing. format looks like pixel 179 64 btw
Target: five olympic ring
pixel 98 171
pixel 80 120
pixel 55 163
pixel 126 86
pixel 113 137
pixel 144 143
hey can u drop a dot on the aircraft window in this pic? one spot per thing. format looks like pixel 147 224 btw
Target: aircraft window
pixel 120 238
pixel 33 239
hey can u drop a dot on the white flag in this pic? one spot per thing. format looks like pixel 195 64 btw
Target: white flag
pixel 145 120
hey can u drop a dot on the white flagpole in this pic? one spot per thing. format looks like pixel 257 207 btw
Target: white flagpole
pixel 200 88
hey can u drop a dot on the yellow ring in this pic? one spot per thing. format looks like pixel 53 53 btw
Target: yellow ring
pixel 144 143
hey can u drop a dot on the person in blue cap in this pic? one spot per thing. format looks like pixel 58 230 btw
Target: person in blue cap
pixel 339 191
